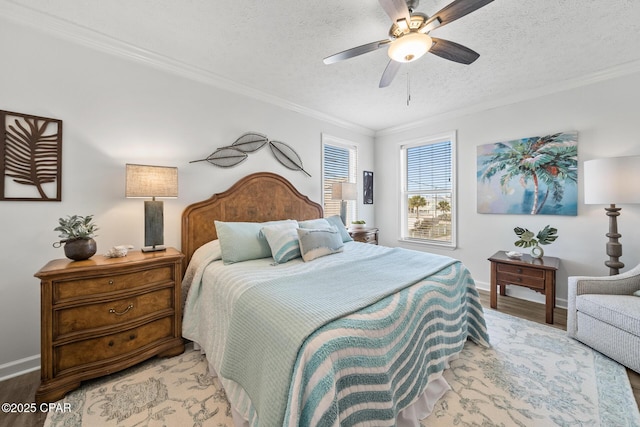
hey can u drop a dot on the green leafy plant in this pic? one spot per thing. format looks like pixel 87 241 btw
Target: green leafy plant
pixel 76 227
pixel 527 239
pixel 360 221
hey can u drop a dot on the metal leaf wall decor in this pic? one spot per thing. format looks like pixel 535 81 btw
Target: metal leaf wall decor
pixel 250 142
pixel 31 157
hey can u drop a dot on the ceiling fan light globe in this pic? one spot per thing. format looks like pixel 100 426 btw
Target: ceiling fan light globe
pixel 409 47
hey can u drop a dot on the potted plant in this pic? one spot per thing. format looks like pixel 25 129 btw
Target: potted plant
pixel 544 237
pixel 77 233
pixel 358 224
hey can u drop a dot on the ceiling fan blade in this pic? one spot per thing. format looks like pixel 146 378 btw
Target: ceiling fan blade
pixel 389 73
pixel 456 10
pixel 355 51
pixel 453 51
pixel 396 9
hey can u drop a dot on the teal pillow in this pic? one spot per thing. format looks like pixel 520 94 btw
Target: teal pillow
pixel 314 223
pixel 242 241
pixel 637 293
pixel 283 241
pixel 318 242
pixel 336 221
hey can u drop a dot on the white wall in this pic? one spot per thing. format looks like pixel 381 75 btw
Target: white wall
pixel 118 111
pixel 605 115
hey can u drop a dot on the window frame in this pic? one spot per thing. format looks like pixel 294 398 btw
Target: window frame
pixel 352 205
pixel 404 193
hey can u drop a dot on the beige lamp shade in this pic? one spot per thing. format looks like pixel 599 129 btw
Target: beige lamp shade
pixel 344 191
pixel 613 180
pixel 151 181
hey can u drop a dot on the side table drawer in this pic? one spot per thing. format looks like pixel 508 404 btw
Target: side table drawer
pixel 91 286
pixel 111 313
pixel 518 275
pixel 103 348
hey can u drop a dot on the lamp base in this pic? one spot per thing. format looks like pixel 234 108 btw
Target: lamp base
pixel 614 248
pixel 153 249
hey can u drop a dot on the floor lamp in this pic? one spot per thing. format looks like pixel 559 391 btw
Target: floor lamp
pixel 614 180
pixel 152 181
pixel 344 191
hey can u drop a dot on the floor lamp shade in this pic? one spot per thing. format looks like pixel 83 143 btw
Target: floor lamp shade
pixel 344 191
pixel 612 181
pixel 144 181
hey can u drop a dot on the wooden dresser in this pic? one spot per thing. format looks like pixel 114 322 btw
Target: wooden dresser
pixel 105 314
pixel 538 274
pixel 364 235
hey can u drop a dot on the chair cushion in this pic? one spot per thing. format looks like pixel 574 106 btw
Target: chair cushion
pixel 621 311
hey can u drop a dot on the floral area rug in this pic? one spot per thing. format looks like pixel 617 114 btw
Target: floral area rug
pixel 534 375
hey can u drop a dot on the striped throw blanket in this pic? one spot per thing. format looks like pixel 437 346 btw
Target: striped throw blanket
pixel 272 319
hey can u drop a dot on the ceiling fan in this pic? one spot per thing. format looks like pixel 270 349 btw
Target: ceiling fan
pixel 409 37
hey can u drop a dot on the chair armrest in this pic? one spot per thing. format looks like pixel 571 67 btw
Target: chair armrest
pixel 622 284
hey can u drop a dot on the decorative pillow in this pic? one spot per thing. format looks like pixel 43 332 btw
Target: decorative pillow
pixel 314 223
pixel 317 242
pixel 336 221
pixel 283 241
pixel 332 221
pixel 242 241
pixel 637 293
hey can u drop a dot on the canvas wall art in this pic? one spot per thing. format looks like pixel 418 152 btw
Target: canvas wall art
pixel 30 157
pixel 532 176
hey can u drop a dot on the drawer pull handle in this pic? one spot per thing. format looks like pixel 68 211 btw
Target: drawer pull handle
pixel 111 282
pixel 120 313
pixel 132 336
pixel 110 343
pixel 519 279
pixel 519 270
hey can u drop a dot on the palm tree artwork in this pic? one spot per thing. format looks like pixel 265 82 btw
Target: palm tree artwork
pixel 536 175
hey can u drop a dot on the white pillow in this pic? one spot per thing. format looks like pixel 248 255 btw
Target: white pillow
pixel 317 242
pixel 283 241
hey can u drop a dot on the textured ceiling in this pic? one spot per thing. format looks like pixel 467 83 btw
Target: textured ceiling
pixel 276 48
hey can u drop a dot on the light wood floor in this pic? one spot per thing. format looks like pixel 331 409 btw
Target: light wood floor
pixel 23 388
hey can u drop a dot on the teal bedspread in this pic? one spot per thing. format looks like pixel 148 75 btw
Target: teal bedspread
pixel 272 319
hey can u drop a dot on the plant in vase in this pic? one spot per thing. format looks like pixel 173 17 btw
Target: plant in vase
pixel 358 224
pixel 528 240
pixel 77 233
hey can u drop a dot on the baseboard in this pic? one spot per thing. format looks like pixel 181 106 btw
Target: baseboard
pixel 19 367
pixel 523 293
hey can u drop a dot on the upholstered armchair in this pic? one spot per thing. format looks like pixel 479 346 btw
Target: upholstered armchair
pixel 604 314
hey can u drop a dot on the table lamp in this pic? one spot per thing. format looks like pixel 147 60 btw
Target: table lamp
pixel 344 191
pixel 152 181
pixel 613 180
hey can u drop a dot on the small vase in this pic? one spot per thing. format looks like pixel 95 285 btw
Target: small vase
pixel 80 249
pixel 537 251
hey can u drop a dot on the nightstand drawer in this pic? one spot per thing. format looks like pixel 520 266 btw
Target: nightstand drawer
pixel 111 313
pixel 519 279
pixel 94 285
pixel 119 344
pixel 520 270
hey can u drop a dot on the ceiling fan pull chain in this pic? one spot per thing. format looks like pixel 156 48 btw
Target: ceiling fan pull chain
pixel 408 89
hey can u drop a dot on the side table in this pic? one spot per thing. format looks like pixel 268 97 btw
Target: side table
pixel 538 274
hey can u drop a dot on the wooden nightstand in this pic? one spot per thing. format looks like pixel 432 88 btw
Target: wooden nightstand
pixel 364 235
pixel 105 314
pixel 536 274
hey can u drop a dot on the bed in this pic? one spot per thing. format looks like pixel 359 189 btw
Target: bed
pixel 358 336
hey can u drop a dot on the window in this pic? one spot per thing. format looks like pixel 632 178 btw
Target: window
pixel 339 164
pixel 428 207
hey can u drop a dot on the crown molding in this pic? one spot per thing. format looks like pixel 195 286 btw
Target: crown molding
pixel 589 79
pixel 101 42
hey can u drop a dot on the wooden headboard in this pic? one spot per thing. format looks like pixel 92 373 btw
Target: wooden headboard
pixel 258 197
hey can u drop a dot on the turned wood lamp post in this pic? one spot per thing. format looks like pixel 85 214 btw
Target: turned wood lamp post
pixel 610 181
